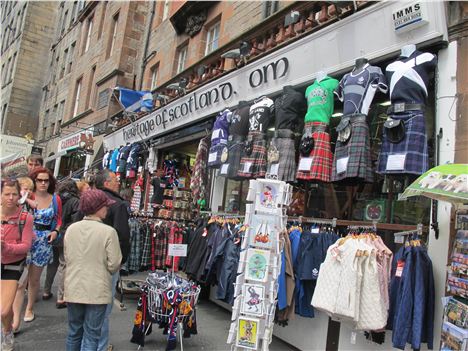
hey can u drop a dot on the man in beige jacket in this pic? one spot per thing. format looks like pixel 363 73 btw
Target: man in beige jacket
pixel 92 255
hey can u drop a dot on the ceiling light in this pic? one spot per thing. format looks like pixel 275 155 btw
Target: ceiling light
pixel 386 103
pixel 338 114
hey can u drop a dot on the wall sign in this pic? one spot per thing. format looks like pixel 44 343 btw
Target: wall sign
pixel 332 49
pixel 75 140
pixel 409 17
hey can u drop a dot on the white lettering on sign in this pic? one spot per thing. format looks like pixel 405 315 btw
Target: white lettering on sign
pixel 73 141
pixel 177 250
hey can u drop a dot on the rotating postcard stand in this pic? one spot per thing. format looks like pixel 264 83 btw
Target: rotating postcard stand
pixel 171 300
pixel 256 286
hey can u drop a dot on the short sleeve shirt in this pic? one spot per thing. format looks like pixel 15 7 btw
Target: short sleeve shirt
pixel 240 121
pixel 220 128
pixel 260 114
pixel 357 89
pixel 409 77
pixel 320 100
pixel 289 108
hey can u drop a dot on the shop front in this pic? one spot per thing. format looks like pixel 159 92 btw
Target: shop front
pixel 176 134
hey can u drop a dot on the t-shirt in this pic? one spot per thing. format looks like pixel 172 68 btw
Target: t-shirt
pixel 123 158
pixel 289 107
pixel 220 128
pixel 240 121
pixel 357 89
pixel 114 158
pixel 260 114
pixel 158 190
pixel 409 77
pixel 320 100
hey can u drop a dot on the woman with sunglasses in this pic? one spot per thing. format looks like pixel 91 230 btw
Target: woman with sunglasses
pixel 16 238
pixel 47 223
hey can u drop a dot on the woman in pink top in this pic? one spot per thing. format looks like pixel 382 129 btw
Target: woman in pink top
pixel 16 238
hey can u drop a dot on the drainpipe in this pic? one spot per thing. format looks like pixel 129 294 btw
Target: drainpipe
pixel 145 52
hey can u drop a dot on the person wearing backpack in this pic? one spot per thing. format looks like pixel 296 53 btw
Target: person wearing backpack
pixel 16 239
pixel 47 224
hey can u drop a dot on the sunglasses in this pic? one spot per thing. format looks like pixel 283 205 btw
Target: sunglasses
pixel 44 181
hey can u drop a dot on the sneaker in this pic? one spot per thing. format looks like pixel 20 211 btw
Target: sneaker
pixel 8 341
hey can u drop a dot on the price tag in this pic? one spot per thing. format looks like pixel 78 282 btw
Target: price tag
pixel 315 230
pixel 178 250
pixel 342 165
pixel 212 157
pixel 305 164
pixel 274 168
pixel 215 134
pixel 224 168
pixel 399 239
pixel 399 269
pixel 247 167
pixel 396 162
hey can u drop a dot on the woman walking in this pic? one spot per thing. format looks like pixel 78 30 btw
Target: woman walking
pixel 92 255
pixel 47 224
pixel 16 238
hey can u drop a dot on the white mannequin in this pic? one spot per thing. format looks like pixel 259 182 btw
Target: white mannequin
pixel 407 50
pixel 320 75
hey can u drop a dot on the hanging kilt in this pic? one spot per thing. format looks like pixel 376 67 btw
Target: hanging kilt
pixel 285 145
pixel 321 166
pixel 256 159
pixel 235 146
pixel 357 148
pixel 214 155
pixel 413 145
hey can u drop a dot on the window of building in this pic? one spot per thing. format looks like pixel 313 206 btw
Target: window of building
pixel 167 3
pixel 52 129
pixel 212 38
pixel 64 63
pixel 3 74
pixel 73 13
pixel 154 76
pixel 4 111
pixel 23 13
pixel 46 92
pixel 181 58
pixel 81 5
pixel 7 79
pixel 89 32
pixel 64 23
pixel 72 52
pixel 113 34
pixel 55 68
pixel 77 97
pixel 103 98
pixel 103 16
pixel 269 8
pixel 13 66
pixel 60 115
pixel 46 122
pixel 90 86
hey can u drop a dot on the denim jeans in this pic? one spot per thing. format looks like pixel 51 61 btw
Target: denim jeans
pixel 84 326
pixel 104 340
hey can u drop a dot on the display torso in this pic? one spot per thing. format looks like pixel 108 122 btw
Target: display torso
pixel 320 100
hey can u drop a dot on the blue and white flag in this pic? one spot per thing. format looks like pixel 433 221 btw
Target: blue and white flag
pixel 135 101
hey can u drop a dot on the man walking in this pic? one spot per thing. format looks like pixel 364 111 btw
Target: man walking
pixel 117 217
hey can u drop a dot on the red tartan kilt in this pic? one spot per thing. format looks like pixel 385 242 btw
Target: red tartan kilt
pixel 321 167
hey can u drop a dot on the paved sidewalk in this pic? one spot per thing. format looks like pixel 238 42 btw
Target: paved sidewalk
pixel 48 331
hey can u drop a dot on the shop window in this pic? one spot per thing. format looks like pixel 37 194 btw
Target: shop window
pixel 212 38
pixel 181 58
pixel 113 34
pixel 154 76
pixel 77 97
pixel 89 32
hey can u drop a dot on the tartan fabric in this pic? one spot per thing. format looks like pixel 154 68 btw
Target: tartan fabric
pixel 257 158
pixel 175 237
pixel 287 160
pixel 200 174
pixel 160 246
pixel 357 148
pixel 234 157
pixel 216 151
pixel 414 145
pixel 321 167
pixel 146 252
pixel 134 259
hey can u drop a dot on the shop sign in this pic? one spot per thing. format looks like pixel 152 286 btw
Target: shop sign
pixel 332 49
pixel 409 17
pixel 13 145
pixel 83 139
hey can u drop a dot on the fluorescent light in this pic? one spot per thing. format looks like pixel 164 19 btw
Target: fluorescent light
pixel 272 129
pixel 338 114
pixel 386 103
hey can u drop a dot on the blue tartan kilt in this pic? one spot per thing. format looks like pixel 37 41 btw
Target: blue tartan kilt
pixel 413 145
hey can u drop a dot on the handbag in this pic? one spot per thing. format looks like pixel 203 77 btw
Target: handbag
pixel 395 129
pixel 306 146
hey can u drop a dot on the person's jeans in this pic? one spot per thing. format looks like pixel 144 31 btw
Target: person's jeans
pixel 84 326
pixel 104 339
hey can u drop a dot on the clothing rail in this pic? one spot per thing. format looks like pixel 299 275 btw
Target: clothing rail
pixel 221 214
pixel 418 230
pixel 301 219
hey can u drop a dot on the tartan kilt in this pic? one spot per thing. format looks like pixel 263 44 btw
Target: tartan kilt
pixel 235 149
pixel 218 150
pixel 257 158
pixel 287 160
pixel 357 148
pixel 414 145
pixel 321 167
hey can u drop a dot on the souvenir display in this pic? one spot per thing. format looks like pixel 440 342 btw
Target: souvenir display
pixel 352 160
pixel 404 141
pixel 315 162
pixel 247 333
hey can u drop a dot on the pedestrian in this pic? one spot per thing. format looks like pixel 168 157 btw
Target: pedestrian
pixel 34 161
pixel 83 186
pixel 117 217
pixel 69 195
pixel 92 256
pixel 47 223
pixel 16 239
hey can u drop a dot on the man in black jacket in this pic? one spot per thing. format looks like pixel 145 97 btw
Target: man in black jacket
pixel 117 217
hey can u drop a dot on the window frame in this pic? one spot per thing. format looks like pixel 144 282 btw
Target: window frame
pixel 113 34
pixel 89 32
pixel 181 51
pixel 212 36
pixel 76 100
pixel 154 76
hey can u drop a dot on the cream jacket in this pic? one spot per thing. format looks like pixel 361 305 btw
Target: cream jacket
pixel 92 255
